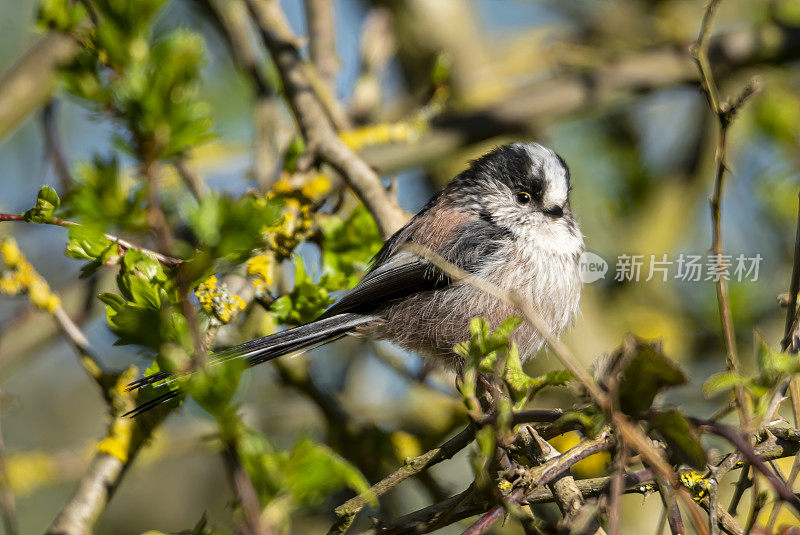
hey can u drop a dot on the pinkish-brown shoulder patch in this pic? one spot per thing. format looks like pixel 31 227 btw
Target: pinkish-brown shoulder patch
pixel 438 226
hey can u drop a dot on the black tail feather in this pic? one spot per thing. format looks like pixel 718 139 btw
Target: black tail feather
pixel 146 380
pixel 261 350
pixel 151 404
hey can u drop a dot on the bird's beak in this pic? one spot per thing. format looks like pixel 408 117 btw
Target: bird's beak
pixel 553 211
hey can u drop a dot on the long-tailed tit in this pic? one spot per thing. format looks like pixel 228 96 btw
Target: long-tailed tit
pixel 506 219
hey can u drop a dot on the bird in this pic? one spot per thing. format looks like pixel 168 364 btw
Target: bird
pixel 506 219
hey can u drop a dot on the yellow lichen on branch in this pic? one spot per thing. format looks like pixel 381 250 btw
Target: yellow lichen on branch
pixel 399 132
pixel 260 269
pixel 217 302
pixel 18 277
pixel 117 442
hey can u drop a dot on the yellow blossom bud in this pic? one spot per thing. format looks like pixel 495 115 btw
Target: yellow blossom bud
pixel 10 252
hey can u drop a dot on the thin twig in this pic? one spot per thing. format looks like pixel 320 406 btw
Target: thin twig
pixel 672 513
pixel 616 490
pixel 742 485
pixel 742 444
pixel 791 343
pixel 713 506
pixel 124 244
pixel 794 288
pixel 243 486
pixel 238 28
pixel 545 473
pixel 54 148
pixel 725 115
pixel 486 521
pixel 193 182
pixel 322 50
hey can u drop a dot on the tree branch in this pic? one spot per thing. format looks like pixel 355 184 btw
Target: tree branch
pixel 124 244
pixel 347 511
pixel 724 115
pixel 30 82
pixel 567 494
pixel 314 123
pixel 566 92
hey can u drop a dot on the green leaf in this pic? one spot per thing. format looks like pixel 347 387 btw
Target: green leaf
pixel 774 365
pixel 131 322
pixel 306 301
pixel 644 372
pixel 590 419
pixel 683 440
pixel 720 382
pixel 142 280
pixel 214 388
pixel 504 330
pixel 89 244
pixel 314 470
pixel 60 15
pixel 523 387
pixel 47 202
pixel 482 347
pixel 308 472
pixel 349 244
pixel 227 228
pixel 147 312
pixel 102 198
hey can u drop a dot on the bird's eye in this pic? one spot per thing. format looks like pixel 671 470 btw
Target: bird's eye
pixel 523 197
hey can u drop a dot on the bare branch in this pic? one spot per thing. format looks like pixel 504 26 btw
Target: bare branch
pixel 790 330
pixel 568 495
pixel 322 49
pixel 347 511
pixel 543 474
pixel 724 117
pixel 243 486
pixel 54 148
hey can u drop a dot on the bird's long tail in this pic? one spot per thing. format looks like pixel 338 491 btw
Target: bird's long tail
pixel 257 351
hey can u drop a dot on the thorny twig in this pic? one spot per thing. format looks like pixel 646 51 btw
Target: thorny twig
pixel 791 343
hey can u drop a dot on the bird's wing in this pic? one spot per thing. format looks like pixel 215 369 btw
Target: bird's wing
pixel 402 273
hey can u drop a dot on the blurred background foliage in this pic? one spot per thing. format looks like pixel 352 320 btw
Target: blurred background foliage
pixel 158 101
